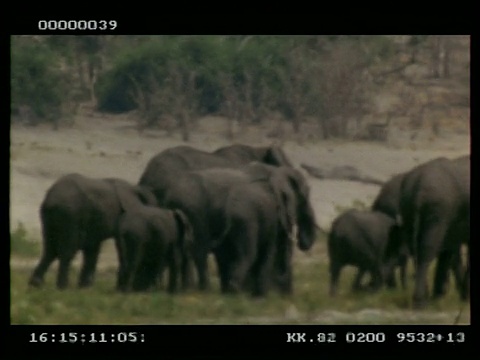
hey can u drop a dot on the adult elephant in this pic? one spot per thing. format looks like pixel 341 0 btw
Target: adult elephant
pixel 388 202
pixel 78 213
pixel 164 168
pixel 151 239
pixel 206 197
pixel 360 238
pixel 243 154
pixel 435 211
pixel 388 198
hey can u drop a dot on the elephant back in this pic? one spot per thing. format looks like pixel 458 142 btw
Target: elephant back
pixel 388 199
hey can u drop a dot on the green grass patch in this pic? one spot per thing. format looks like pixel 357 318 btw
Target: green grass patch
pixel 310 303
pixel 21 245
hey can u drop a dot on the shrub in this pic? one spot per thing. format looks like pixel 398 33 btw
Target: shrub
pixel 20 244
pixel 37 81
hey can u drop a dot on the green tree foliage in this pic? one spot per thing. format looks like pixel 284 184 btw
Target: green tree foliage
pixel 327 80
pixel 244 77
pixel 36 79
pixel 207 56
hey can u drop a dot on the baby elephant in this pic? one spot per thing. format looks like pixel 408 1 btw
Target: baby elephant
pixel 150 239
pixel 360 238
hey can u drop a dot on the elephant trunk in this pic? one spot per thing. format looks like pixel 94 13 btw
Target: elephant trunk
pixel 306 227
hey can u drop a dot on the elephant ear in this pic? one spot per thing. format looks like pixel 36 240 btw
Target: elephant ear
pixel 286 201
pixel 276 156
pixel 127 195
pixel 146 196
pixel 186 236
pixel 395 246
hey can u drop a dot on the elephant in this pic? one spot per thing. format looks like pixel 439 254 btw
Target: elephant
pixel 388 199
pixel 435 212
pixel 360 238
pixel 162 170
pixel 247 248
pixel 388 202
pixel 213 201
pixel 243 154
pixel 150 239
pixel 78 213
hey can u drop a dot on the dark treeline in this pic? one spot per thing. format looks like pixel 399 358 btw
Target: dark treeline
pixel 326 80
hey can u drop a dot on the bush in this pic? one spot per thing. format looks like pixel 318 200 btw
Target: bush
pixel 20 244
pixel 209 58
pixel 36 80
pixel 245 78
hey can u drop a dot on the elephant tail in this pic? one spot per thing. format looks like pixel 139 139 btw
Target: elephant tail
pixel 413 235
pixel 185 230
pixel 228 225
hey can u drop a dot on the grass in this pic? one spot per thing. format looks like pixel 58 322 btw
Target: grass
pixel 310 303
pixel 20 245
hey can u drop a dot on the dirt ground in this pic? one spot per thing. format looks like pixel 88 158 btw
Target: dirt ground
pixel 110 146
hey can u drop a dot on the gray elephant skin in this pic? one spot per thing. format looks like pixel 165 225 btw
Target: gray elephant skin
pixel 151 239
pixel 78 213
pixel 239 215
pixel 435 211
pixel 388 199
pixel 163 169
pixel 360 238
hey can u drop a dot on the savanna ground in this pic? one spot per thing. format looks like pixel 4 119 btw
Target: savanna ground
pixel 109 146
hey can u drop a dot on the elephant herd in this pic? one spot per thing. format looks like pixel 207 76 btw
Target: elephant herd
pixel 243 204
pixel 423 214
pixel 248 206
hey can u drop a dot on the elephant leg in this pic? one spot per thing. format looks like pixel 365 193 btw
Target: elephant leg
pixel 465 288
pixel 146 272
pixel 462 274
pixel 174 263
pixel 283 266
pixel 265 266
pixel 90 258
pixel 122 264
pixel 135 266
pixel 357 282
pixel 390 276
pixel 458 271
pixel 154 267
pixel 244 255
pixel 390 280
pixel 285 282
pixel 186 272
pixel 421 287
pixel 440 284
pixel 222 260
pixel 202 270
pixel 64 268
pixel 431 236
pixel 37 276
pixel 335 269
pixel 403 272
pixel 377 279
